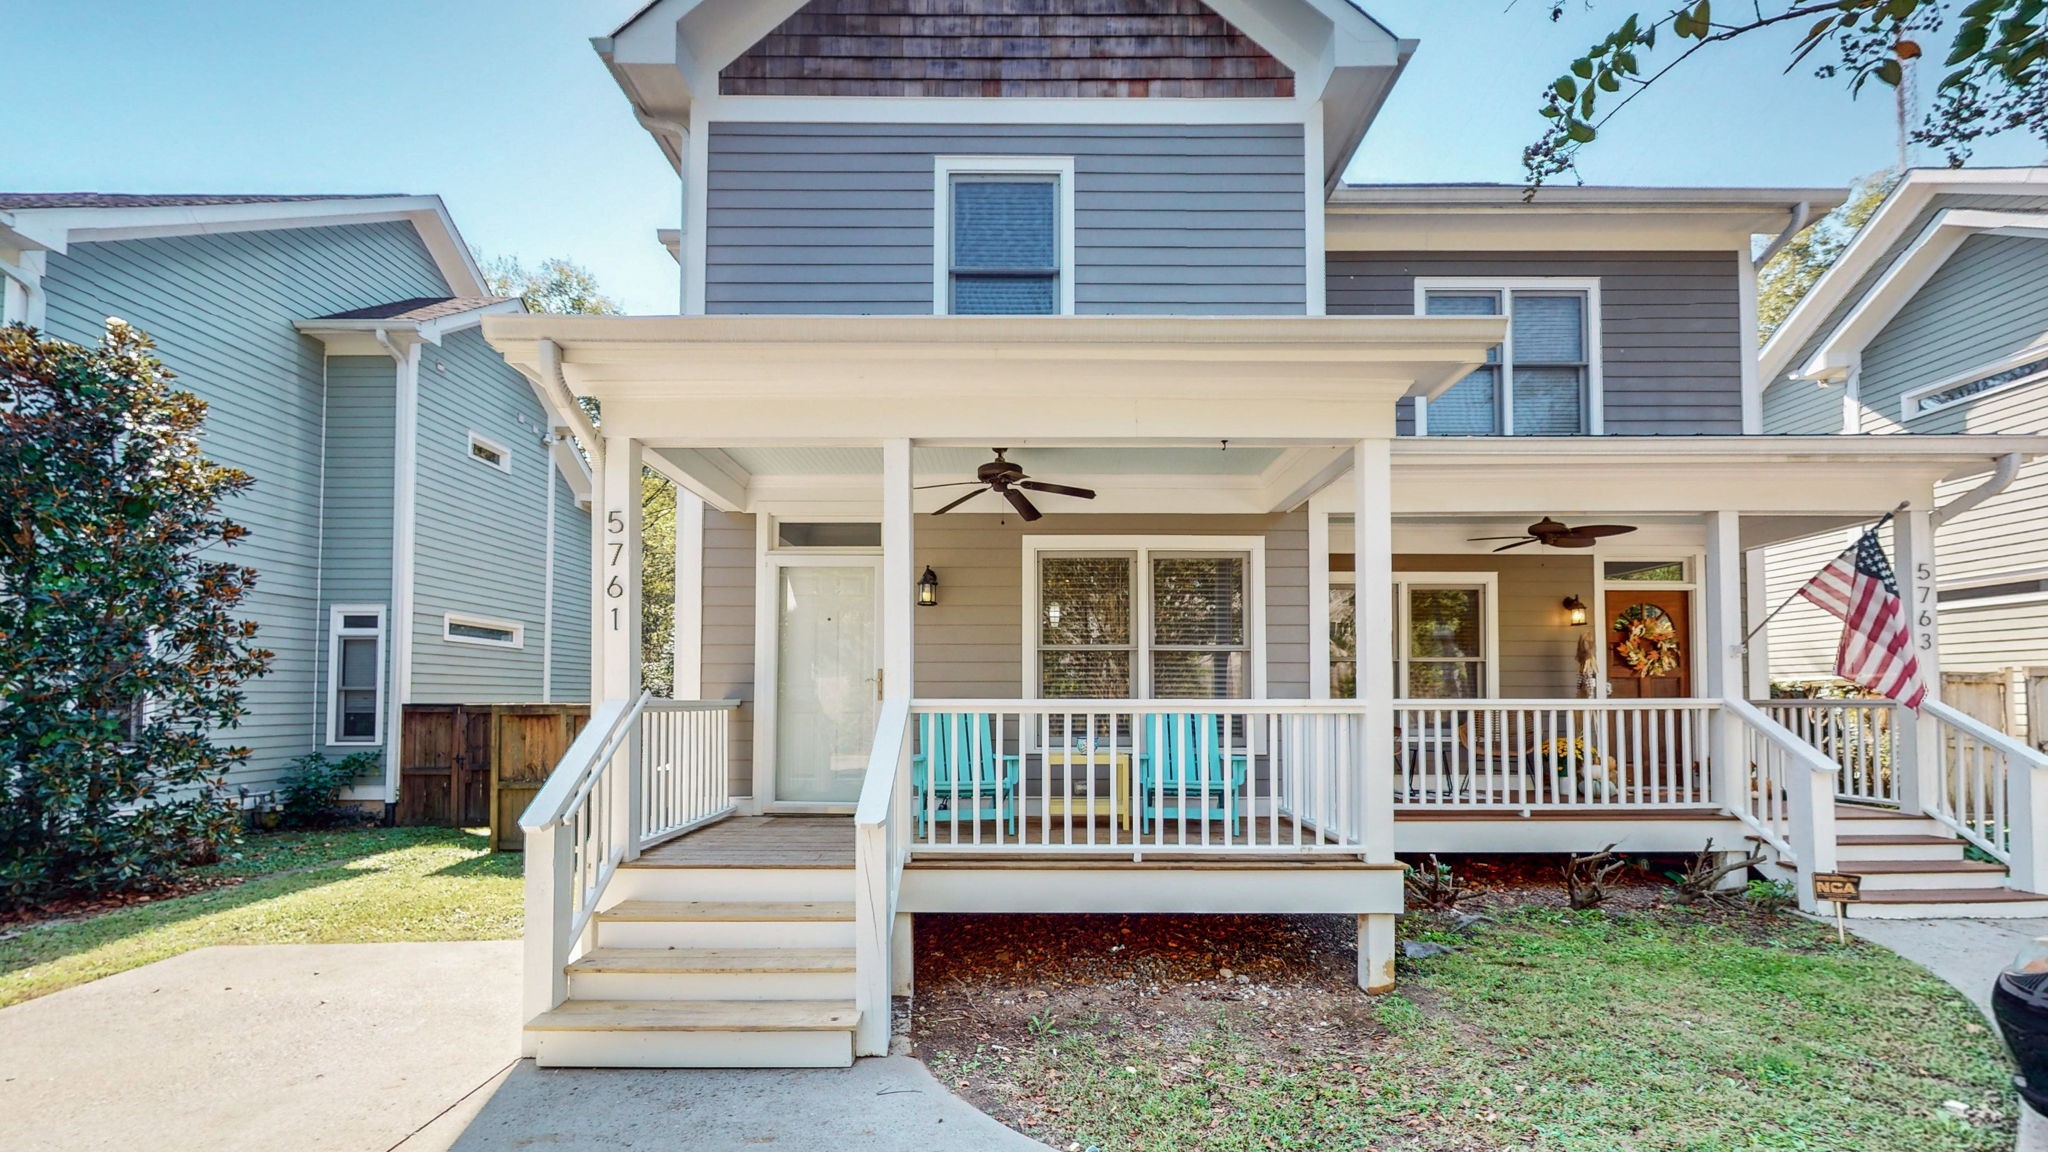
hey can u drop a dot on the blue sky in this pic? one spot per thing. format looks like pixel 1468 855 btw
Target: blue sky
pixel 501 107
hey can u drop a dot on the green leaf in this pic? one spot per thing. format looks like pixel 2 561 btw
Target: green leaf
pixel 1890 72
pixel 1567 89
pixel 1583 68
pixel 1608 83
pixel 1681 23
pixel 1625 62
pixel 1580 132
pixel 1703 15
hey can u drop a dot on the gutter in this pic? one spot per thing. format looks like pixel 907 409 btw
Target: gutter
pixel 1802 215
pixel 2001 478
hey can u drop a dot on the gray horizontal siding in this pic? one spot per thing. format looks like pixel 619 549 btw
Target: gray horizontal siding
pixel 1671 340
pixel 1538 651
pixel 572 621
pixel 355 536
pixel 220 307
pixel 1989 301
pixel 729 548
pixel 481 533
pixel 837 218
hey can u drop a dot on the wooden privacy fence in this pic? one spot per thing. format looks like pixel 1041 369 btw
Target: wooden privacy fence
pixel 468 765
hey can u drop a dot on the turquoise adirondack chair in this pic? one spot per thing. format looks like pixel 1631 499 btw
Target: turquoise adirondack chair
pixel 1183 767
pixel 967 777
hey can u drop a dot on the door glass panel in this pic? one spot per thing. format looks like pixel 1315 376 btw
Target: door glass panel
pixel 825 682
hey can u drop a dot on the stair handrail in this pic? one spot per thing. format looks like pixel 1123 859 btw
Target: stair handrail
pixel 881 847
pixel 2019 813
pixel 1809 784
pixel 572 851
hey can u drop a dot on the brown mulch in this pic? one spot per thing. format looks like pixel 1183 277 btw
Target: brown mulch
pixel 84 907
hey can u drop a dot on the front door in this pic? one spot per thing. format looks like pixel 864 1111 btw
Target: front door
pixel 827 657
pixel 1649 643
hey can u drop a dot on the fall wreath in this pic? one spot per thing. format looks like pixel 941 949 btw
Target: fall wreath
pixel 1649 642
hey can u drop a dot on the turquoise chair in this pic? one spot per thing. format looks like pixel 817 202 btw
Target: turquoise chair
pixel 1182 771
pixel 958 764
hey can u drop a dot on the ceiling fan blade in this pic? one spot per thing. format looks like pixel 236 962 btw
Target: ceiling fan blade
pixel 1023 506
pixel 1516 544
pixel 952 484
pixel 1484 539
pixel 1057 489
pixel 1571 540
pixel 1597 530
pixel 956 503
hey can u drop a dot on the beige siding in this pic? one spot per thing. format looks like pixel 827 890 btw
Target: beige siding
pixel 1538 647
pixel 729 631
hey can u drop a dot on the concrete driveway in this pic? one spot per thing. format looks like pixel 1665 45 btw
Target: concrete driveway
pixel 343 1047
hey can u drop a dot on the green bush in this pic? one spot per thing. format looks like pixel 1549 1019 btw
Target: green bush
pixel 121 654
pixel 309 795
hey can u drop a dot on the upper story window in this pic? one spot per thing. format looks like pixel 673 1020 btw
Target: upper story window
pixel 2032 367
pixel 1543 381
pixel 485 450
pixel 1003 236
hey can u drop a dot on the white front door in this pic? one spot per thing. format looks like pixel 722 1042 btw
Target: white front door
pixel 828 656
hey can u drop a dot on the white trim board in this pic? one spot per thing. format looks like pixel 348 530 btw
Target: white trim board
pixel 336 633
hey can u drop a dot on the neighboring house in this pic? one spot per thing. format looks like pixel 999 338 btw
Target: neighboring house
pixel 420 531
pixel 1935 322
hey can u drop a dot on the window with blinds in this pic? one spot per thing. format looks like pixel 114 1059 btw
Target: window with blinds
pixel 1161 625
pixel 1536 384
pixel 1444 629
pixel 1006 251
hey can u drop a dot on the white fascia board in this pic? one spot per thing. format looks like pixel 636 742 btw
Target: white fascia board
pixel 1884 228
pixel 332 332
pixel 1839 353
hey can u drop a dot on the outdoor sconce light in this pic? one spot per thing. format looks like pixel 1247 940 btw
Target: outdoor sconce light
pixel 928 588
pixel 1577 608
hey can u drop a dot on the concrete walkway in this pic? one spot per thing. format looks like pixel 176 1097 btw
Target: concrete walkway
pixel 1968 954
pixel 882 1105
pixel 342 1047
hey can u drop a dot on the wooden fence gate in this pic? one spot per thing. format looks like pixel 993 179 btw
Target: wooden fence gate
pixel 469 765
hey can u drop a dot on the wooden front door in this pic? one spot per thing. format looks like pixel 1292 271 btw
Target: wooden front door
pixel 1624 682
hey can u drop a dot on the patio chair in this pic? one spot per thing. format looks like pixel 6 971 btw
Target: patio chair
pixel 968 779
pixel 1182 771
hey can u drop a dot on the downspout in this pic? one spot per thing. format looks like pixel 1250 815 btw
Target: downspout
pixel 404 490
pixel 547 599
pixel 2001 478
pixel 1802 215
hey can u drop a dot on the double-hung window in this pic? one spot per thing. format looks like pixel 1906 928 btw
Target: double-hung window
pixel 1163 623
pixel 355 675
pixel 1445 625
pixel 1543 381
pixel 1004 236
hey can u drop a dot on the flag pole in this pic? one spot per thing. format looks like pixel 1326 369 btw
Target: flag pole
pixel 1881 522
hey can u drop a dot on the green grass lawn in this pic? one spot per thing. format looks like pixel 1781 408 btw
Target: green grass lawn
pixel 355 886
pixel 1552 1030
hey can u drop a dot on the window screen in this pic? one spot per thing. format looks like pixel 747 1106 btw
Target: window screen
pixel 1005 259
pixel 1446 630
pixel 1538 384
pixel 1199 644
pixel 357 687
pixel 1471 407
pixel 1086 645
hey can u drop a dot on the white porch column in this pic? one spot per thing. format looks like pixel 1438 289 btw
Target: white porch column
pixel 1913 564
pixel 1756 603
pixel 689 608
pixel 617 598
pixel 1374 531
pixel 899 582
pixel 1318 601
pixel 1721 662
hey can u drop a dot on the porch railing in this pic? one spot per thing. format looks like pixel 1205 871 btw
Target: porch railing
pixel 1784 790
pixel 1990 788
pixel 881 847
pixel 1218 777
pixel 641 772
pixel 1861 736
pixel 1553 754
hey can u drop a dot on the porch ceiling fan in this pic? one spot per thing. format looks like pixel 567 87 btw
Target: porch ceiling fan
pixel 1005 478
pixel 1554 534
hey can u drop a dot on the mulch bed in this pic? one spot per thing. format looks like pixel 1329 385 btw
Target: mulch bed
pixel 15 921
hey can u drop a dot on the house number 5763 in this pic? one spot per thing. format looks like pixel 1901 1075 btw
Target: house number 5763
pixel 615 554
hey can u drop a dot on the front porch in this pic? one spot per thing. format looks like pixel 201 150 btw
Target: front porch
pixel 1216 642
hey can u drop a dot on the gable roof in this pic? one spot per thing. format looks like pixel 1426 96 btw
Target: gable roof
pixel 1912 213
pixel 52 221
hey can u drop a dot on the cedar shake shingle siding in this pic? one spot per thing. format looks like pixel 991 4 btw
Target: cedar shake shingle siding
pixel 1066 48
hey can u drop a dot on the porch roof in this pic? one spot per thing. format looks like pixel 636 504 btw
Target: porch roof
pixel 729 380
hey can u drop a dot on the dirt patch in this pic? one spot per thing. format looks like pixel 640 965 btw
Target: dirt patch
pixel 70 908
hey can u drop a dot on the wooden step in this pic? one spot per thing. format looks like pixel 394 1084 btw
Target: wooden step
pixel 679 960
pixel 1897 867
pixel 698 1016
pixel 1952 896
pixel 1912 838
pixel 695 911
pixel 1865 812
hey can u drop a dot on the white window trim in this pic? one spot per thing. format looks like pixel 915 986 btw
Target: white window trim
pixel 944 168
pixel 1909 409
pixel 1488 584
pixel 1596 416
pixel 1140 549
pixel 336 633
pixel 450 619
pixel 479 440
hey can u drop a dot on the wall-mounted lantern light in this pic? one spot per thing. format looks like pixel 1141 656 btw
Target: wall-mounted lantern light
pixel 1577 608
pixel 928 588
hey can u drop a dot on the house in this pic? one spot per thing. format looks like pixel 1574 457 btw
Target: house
pixel 1091 503
pixel 1935 320
pixel 419 528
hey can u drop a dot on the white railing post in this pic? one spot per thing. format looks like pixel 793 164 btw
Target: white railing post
pixel 1807 778
pixel 2027 812
pixel 877 866
pixel 550 895
pixel 1723 663
pixel 1810 794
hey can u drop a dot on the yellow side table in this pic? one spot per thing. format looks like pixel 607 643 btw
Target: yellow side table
pixel 1118 801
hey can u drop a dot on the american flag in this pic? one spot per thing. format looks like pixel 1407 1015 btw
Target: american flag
pixel 1876 652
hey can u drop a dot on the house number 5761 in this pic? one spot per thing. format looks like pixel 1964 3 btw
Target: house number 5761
pixel 615 554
